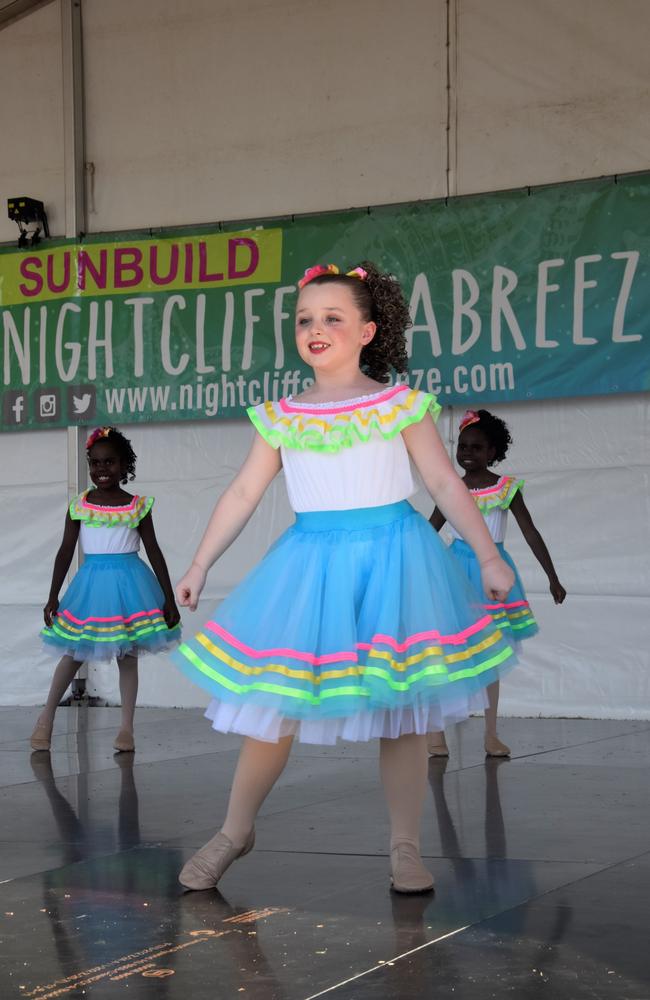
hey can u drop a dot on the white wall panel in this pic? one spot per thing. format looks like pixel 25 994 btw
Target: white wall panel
pixel 587 662
pixel 550 91
pixel 204 111
pixel 33 500
pixel 31 117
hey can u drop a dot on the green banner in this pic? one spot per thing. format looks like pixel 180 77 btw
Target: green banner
pixel 520 295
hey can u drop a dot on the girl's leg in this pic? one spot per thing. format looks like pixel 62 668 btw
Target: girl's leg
pixel 128 667
pixel 403 766
pixel 63 676
pixel 493 745
pixel 258 768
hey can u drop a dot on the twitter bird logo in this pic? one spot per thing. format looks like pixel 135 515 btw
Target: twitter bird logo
pixel 81 403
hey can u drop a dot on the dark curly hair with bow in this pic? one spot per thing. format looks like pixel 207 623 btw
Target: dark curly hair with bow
pixel 380 300
pixel 496 431
pixel 122 445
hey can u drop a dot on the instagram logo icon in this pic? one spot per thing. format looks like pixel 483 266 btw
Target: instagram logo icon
pixel 47 405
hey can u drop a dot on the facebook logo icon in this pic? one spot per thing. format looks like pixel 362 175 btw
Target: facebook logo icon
pixel 14 408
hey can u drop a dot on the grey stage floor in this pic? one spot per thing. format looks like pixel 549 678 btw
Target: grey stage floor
pixel 542 867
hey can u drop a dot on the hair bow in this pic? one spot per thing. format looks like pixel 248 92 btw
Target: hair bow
pixel 319 269
pixel 99 432
pixel 469 417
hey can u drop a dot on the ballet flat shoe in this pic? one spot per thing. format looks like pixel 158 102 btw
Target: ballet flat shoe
pixel 41 738
pixel 495 748
pixel 437 745
pixel 409 874
pixel 205 868
pixel 124 741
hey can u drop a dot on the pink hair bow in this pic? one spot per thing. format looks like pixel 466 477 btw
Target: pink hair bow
pixel 357 272
pixel 318 269
pixel 99 432
pixel 469 417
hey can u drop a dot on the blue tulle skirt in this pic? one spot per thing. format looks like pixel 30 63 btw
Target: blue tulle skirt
pixel 356 624
pixel 514 616
pixel 112 607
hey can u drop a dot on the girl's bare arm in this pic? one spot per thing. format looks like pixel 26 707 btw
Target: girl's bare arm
pixel 537 546
pixel 159 566
pixel 446 488
pixel 62 562
pixel 232 511
pixel 456 504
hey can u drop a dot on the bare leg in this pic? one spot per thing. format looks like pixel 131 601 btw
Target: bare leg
pixel 63 676
pixel 403 766
pixel 128 666
pixel 493 745
pixel 258 768
pixel 128 689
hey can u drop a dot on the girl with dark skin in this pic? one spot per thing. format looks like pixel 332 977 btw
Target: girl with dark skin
pixel 483 441
pixel 115 605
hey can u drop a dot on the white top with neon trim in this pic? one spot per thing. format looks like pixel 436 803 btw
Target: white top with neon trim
pixel 348 454
pixel 494 503
pixel 109 530
pixel 108 541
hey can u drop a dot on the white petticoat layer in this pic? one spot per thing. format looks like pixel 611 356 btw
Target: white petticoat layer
pixel 267 725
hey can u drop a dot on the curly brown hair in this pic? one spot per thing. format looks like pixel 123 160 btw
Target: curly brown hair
pixel 380 300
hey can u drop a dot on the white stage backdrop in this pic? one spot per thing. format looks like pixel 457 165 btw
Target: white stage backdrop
pixel 587 471
pixel 578 108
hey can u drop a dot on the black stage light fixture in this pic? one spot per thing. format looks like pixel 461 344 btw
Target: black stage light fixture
pixel 29 215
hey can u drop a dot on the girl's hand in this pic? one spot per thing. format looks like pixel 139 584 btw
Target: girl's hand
pixel 49 611
pixel 498 579
pixel 171 613
pixel 558 591
pixel 188 590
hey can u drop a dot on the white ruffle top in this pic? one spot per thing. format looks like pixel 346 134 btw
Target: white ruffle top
pixel 345 455
pixel 494 503
pixel 109 530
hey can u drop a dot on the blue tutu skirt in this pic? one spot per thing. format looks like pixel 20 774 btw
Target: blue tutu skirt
pixel 356 624
pixel 514 616
pixel 112 607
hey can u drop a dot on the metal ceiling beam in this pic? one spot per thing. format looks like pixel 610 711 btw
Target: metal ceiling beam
pixel 74 150
pixel 12 10
pixel 73 117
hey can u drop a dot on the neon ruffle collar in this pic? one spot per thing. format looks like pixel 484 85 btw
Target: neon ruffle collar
pixel 499 496
pixel 128 516
pixel 332 427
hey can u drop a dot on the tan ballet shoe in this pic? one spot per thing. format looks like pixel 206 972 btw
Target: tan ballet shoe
pixel 437 745
pixel 205 868
pixel 124 741
pixel 409 874
pixel 495 748
pixel 41 738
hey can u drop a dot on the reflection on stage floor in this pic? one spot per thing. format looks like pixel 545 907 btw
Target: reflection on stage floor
pixel 542 867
